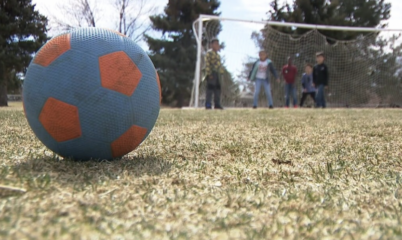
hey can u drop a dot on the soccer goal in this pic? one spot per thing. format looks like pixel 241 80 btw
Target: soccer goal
pixel 365 64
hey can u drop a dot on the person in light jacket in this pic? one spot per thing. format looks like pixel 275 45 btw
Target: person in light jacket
pixel 260 74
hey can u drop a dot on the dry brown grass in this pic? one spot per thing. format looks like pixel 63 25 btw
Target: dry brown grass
pixel 295 174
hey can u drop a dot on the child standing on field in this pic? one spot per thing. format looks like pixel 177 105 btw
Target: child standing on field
pixel 307 83
pixel 260 73
pixel 320 79
pixel 213 70
pixel 289 73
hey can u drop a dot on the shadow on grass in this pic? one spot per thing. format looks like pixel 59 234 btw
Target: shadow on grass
pixel 69 172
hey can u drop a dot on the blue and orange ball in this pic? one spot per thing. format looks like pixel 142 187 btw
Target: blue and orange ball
pixel 91 94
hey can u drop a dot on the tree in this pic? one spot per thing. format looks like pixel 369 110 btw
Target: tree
pixel 22 33
pixel 129 16
pixel 361 55
pixel 15 82
pixel 386 75
pixel 174 55
pixel 354 13
pixel 76 13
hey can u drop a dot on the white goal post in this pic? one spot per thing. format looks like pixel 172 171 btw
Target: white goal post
pixel 200 32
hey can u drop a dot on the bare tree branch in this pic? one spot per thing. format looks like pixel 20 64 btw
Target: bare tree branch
pixel 133 17
pixel 87 12
pixel 75 13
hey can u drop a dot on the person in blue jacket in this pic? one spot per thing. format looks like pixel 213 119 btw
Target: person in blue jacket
pixel 308 84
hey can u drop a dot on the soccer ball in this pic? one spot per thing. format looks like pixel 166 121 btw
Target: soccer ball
pixel 91 94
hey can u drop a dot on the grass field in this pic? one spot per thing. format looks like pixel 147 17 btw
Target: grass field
pixel 234 174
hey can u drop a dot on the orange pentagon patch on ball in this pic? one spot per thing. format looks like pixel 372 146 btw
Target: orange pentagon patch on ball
pixel 52 50
pixel 119 73
pixel 127 142
pixel 60 120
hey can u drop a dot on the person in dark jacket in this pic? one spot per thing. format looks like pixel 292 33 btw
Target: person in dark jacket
pixel 308 85
pixel 320 79
pixel 260 73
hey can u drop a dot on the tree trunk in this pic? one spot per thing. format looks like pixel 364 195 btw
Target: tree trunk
pixel 3 94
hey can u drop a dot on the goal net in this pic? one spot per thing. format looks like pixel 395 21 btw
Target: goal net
pixel 365 70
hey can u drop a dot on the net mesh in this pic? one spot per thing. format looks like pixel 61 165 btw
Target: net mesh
pixel 364 72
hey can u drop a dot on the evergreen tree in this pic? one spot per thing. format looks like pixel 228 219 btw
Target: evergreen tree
pixel 174 55
pixel 15 82
pixel 353 13
pixel 22 33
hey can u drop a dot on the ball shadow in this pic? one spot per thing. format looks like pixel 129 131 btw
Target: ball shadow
pixel 70 172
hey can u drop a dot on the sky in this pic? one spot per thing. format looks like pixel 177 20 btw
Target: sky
pixel 237 36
